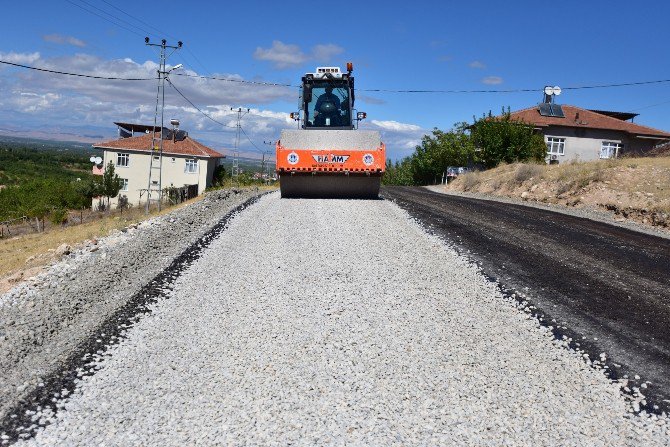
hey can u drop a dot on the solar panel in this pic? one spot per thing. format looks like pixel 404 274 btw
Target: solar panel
pixel 548 109
pixel 557 110
pixel 545 109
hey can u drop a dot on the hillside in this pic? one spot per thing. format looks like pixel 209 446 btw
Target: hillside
pixel 631 188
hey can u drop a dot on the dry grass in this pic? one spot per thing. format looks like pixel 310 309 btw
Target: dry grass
pixel 469 181
pixel 525 172
pixel 641 184
pixel 35 250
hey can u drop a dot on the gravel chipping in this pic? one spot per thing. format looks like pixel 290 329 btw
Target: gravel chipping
pixel 332 322
pixel 46 318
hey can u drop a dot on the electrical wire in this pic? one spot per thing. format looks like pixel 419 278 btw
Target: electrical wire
pixel 157 32
pixel 252 143
pixel 196 107
pixel 80 75
pixel 241 81
pixel 140 21
pixel 106 18
pixel 518 90
pixel 210 117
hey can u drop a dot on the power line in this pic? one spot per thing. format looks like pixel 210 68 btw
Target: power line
pixel 210 117
pixel 106 18
pixel 241 81
pixel 196 107
pixel 80 75
pixel 151 27
pixel 275 84
pixel 140 21
pixel 519 90
pixel 252 143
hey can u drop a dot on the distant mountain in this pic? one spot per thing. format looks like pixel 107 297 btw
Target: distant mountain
pixel 54 135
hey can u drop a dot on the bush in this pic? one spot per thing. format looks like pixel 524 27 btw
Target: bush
pixel 58 216
pixel 469 180
pixel 525 172
pixel 123 203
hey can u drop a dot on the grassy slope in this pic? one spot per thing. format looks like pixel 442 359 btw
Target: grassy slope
pixel 636 188
pixel 26 255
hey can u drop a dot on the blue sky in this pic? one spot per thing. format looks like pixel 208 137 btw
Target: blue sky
pixel 422 45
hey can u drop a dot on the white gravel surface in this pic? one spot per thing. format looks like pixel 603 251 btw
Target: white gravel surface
pixel 334 322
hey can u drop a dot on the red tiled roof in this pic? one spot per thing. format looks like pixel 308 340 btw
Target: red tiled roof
pixel 587 119
pixel 188 146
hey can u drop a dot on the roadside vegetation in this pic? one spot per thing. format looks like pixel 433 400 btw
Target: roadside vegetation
pixel 43 181
pixel 637 188
pixel 485 144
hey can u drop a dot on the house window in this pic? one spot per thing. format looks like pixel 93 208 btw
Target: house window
pixel 556 146
pixel 191 166
pixel 122 159
pixel 124 184
pixel 610 149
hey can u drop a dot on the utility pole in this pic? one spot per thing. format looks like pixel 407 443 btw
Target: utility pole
pixel 263 170
pixel 235 172
pixel 156 161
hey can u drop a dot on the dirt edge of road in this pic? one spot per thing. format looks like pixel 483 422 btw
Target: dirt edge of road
pixel 626 190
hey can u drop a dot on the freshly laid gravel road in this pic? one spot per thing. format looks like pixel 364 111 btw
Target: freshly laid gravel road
pixel 331 322
pixel 46 319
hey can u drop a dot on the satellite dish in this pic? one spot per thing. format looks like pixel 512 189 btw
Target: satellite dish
pixel 548 91
pixel 557 90
pixel 97 160
pixel 146 131
pixel 92 159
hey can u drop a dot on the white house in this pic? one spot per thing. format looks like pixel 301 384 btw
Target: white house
pixel 186 162
pixel 573 133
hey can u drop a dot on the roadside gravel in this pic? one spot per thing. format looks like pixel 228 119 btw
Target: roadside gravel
pixel 316 322
pixel 587 213
pixel 45 318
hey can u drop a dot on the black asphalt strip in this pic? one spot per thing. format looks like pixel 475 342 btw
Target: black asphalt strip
pixel 602 288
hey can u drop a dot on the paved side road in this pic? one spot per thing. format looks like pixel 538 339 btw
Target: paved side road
pixel 605 286
pixel 316 322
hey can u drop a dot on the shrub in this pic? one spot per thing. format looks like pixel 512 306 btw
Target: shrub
pixel 58 216
pixel 469 180
pixel 525 172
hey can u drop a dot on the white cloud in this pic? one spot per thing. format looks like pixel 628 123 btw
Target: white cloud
pixel 60 39
pixel 400 138
pixel 492 80
pixel 477 64
pixel 284 55
pixel 29 102
pixel 20 58
pixel 395 126
pixel 324 53
pixel 36 99
pixel 281 55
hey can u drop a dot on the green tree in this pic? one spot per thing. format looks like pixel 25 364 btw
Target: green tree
pixel 219 175
pixel 399 173
pixel 111 183
pixel 441 150
pixel 504 139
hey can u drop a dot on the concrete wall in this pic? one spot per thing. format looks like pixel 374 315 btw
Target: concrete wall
pixel 585 144
pixel 137 173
